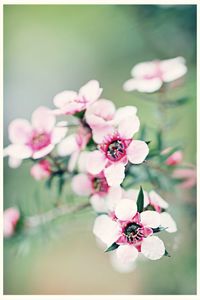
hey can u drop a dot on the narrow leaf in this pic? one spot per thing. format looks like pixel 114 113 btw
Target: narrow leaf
pixel 140 201
pixel 112 247
pixel 167 253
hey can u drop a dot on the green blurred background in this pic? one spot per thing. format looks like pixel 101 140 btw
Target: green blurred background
pixel 49 48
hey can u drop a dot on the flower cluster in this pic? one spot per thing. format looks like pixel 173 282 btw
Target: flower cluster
pixel 99 150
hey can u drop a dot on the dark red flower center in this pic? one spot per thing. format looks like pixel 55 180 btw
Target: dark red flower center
pixel 100 185
pixel 39 141
pixel 116 150
pixel 133 232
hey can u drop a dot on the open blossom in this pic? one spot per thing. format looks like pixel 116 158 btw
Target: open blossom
pixel 10 218
pixel 35 139
pixel 131 231
pixel 117 147
pixel 149 76
pixel 71 102
pixel 73 145
pixel 41 170
pixel 187 175
pixel 95 186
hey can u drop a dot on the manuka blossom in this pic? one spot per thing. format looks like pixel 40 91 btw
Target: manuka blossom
pixel 71 102
pixel 41 170
pixel 96 186
pixel 10 218
pixel 133 232
pixel 174 159
pixel 149 76
pixel 117 147
pixel 34 140
pixel 73 145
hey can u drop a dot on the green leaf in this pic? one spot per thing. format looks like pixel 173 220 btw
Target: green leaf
pixel 167 253
pixel 112 247
pixel 159 140
pixel 158 229
pixel 174 103
pixel 48 183
pixel 147 142
pixel 140 201
pixel 60 185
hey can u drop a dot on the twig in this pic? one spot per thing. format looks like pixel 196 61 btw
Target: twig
pixel 37 220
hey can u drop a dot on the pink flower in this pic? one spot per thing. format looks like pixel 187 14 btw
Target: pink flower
pixel 10 218
pixel 132 231
pixel 174 159
pixel 70 102
pixel 187 175
pixel 41 170
pixel 116 149
pixel 36 139
pixel 73 145
pixel 149 77
pixel 95 186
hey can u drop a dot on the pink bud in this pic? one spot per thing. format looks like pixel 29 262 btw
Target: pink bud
pixel 174 159
pixel 10 219
pixel 41 170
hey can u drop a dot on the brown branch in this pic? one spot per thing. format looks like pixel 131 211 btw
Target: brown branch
pixel 37 220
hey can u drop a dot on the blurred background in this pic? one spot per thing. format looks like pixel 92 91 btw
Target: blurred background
pixel 50 48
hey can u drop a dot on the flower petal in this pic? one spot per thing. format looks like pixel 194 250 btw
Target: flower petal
pixel 43 152
pixel 68 145
pixel 115 174
pixel 153 248
pixel 155 198
pixel 43 119
pixel 63 98
pixel 150 219
pixel 127 128
pixel 126 253
pixel 143 85
pixel 96 162
pixel 137 151
pixel 123 113
pixel 133 195
pixel 58 134
pixel 119 266
pixel 98 203
pixel 173 68
pixel 19 131
pixel 107 230
pixel 125 209
pixel 81 185
pixel 100 133
pixel 168 222
pixel 113 197
pixel 18 151
pixel 14 162
pixel 91 91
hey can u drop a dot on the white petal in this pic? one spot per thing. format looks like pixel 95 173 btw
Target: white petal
pixel 43 119
pixel 124 112
pixel 155 198
pixel 99 134
pixel 98 203
pixel 82 161
pixel 150 219
pixel 96 162
pixel 153 248
pixel 115 174
pixel 43 152
pixel 107 230
pixel 137 151
pixel 14 162
pixel 81 185
pixel 113 197
pixel 173 69
pixel 18 151
pixel 125 209
pixel 19 131
pixel 58 134
pixel 68 145
pixel 146 68
pixel 127 128
pixel 91 91
pixel 143 85
pixel 119 266
pixel 63 98
pixel 168 222
pixel 73 161
pixel 126 253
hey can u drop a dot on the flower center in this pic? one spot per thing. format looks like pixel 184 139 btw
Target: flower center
pixel 39 141
pixel 100 185
pixel 133 232
pixel 116 150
